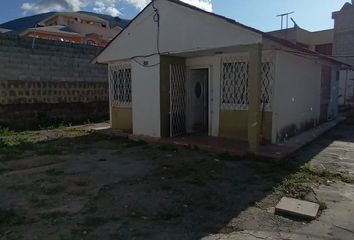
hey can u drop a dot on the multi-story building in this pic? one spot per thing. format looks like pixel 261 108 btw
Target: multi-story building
pixel 343 49
pixel 337 42
pixel 75 27
pixel 320 41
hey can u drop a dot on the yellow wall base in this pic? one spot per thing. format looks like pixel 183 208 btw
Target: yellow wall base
pixel 234 124
pixel 122 118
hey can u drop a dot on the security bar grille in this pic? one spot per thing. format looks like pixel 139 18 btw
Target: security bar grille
pixel 235 74
pixel 267 84
pixel 120 84
pixel 235 71
pixel 177 100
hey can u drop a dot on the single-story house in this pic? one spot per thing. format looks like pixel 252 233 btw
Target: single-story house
pixel 178 70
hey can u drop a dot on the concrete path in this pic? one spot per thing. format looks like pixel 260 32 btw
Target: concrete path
pixel 334 151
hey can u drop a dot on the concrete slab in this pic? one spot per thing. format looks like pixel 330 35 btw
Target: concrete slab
pixel 297 208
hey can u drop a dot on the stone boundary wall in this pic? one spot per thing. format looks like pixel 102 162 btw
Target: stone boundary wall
pixel 52 81
pixel 29 92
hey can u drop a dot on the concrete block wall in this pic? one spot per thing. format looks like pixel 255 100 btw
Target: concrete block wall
pixel 29 92
pixel 47 79
pixel 344 34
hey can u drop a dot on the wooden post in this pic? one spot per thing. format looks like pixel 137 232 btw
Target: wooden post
pixel 254 93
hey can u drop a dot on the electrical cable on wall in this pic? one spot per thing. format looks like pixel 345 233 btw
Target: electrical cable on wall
pixel 156 19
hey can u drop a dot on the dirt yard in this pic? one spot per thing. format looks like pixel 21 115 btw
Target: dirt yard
pixel 71 183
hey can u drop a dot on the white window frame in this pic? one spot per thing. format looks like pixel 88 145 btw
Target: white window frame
pixel 120 84
pixel 235 58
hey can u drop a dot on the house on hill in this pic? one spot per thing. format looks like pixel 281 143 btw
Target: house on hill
pixel 75 27
pixel 178 70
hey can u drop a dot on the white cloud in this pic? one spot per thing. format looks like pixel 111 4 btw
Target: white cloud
pixel 139 4
pixel 100 6
pixel 106 7
pixel 203 4
pixel 53 5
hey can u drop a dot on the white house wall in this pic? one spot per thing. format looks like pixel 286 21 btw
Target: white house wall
pixel 297 91
pixel 181 30
pixel 146 99
pixel 214 65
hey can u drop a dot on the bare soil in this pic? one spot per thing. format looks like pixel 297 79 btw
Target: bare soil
pixel 72 183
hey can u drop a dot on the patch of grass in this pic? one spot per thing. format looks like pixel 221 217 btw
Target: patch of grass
pixel 13 148
pixel 10 217
pixel 299 184
pixel 6 132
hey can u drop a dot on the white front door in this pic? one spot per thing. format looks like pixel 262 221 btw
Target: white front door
pixel 197 88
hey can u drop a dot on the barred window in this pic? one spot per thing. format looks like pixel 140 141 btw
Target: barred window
pixel 235 77
pixel 120 85
pixel 235 85
pixel 267 84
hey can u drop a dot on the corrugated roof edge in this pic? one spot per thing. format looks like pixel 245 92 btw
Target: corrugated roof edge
pixel 283 42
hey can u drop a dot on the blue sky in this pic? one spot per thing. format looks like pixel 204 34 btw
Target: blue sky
pixel 309 14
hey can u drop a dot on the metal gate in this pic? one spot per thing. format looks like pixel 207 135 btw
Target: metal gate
pixel 177 100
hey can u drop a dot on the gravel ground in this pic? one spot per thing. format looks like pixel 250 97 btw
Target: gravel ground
pixel 72 183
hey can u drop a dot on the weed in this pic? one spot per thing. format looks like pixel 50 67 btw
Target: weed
pixel 298 184
pixel 13 147
pixel 5 132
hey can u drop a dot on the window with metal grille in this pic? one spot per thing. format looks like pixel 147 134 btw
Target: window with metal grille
pixel 235 74
pixel 120 85
pixel 267 85
pixel 235 84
